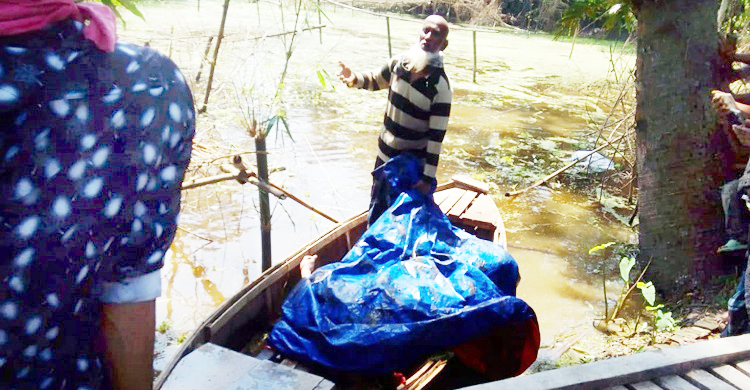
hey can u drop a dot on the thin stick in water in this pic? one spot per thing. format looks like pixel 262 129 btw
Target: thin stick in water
pixel 205 59
pixel 474 35
pixel 216 56
pixel 388 26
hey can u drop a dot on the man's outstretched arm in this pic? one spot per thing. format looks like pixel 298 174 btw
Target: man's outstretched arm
pixel 373 80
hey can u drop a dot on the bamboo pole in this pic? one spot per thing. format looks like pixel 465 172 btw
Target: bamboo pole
pixel 388 26
pixel 289 32
pixel 205 59
pixel 265 207
pixel 216 56
pixel 320 21
pixel 171 35
pixel 474 35
pixel 245 177
pixel 573 45
pixel 195 183
pixel 298 200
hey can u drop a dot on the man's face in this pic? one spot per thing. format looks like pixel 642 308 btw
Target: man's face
pixel 433 35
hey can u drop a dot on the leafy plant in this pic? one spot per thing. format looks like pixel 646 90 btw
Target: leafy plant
pixel 626 264
pixel 611 15
pixel 325 79
pixel 163 327
pixel 737 16
pixel 127 4
pixel 661 320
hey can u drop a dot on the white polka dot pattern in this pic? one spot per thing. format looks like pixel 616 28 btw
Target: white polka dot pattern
pixel 93 149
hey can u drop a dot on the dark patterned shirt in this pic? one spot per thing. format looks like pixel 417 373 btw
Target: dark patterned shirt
pixel 93 148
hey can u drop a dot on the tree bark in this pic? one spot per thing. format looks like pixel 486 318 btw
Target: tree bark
pixel 677 142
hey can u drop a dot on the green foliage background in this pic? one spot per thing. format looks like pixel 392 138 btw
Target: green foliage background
pixel 610 15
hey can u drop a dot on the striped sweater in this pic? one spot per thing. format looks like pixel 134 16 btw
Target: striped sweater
pixel 416 116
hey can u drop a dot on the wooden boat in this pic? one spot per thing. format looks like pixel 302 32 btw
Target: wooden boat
pixel 217 354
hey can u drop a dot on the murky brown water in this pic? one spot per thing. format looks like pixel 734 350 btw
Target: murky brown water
pixel 532 105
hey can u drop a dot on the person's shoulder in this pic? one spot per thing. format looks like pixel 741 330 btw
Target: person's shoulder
pixel 443 83
pixel 395 61
pixel 143 69
pixel 134 59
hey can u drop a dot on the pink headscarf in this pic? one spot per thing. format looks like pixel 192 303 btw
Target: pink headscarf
pixel 22 16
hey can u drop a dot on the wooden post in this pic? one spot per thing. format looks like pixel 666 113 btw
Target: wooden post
pixel 474 35
pixel 319 22
pixel 388 26
pixel 575 37
pixel 261 157
pixel 204 59
pixel 257 6
pixel 171 36
pixel 216 56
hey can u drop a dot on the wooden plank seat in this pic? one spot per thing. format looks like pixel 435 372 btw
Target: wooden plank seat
pixel 712 364
pixel 469 204
pixel 217 368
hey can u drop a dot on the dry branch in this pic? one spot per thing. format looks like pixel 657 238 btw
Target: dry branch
pixel 563 169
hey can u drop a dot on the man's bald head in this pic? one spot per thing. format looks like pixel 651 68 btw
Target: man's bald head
pixel 434 35
pixel 438 20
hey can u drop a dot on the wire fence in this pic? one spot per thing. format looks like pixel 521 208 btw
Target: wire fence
pixel 388 18
pixel 188 30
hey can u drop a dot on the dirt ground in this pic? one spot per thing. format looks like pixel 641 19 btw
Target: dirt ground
pixel 605 341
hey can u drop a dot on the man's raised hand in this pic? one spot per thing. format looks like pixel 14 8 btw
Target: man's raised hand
pixel 346 75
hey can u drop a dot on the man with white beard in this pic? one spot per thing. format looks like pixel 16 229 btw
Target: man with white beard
pixel 419 104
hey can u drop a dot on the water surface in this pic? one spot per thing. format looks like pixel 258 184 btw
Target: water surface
pixel 531 107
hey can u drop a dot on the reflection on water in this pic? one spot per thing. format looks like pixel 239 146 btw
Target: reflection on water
pixel 560 302
pixel 512 128
pixel 216 251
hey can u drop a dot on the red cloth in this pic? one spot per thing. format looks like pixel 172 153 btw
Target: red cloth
pixel 22 16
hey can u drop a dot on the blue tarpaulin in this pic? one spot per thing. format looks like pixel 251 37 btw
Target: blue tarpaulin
pixel 413 285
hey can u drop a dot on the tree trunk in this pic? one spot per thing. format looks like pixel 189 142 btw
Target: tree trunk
pixel 677 141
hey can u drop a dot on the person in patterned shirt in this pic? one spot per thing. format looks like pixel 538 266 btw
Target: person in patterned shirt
pixel 95 138
pixel 419 104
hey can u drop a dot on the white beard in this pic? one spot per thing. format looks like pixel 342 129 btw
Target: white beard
pixel 417 60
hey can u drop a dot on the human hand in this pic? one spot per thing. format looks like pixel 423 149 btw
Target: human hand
pixel 721 100
pixel 307 266
pixel 725 106
pixel 742 132
pixel 423 186
pixel 346 75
